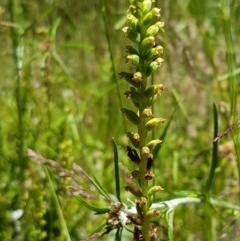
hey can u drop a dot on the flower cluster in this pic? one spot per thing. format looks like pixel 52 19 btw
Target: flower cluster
pixel 145 55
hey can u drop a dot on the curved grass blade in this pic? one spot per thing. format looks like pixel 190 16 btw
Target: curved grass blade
pixel 93 180
pixel 100 188
pixel 214 162
pixel 91 207
pixel 116 170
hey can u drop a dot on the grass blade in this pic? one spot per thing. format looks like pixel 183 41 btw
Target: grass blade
pixel 214 162
pixel 116 170
pixel 91 207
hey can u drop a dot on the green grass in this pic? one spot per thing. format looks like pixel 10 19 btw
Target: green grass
pixel 61 96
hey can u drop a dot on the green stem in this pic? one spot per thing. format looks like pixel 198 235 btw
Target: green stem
pixel 143 170
pixel 170 216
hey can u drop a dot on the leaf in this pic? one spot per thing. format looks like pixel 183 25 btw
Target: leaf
pixel 131 116
pixel 116 171
pixel 92 180
pixel 100 188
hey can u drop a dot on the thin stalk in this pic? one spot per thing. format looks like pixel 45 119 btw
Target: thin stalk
pixel 143 167
pixel 232 78
pixel 170 217
pixel 208 227
pixel 143 181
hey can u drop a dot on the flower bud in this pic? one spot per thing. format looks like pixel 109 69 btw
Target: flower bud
pixel 151 17
pixel 134 138
pixel 154 53
pixel 152 30
pixel 145 151
pixel 153 213
pixel 153 143
pixel 143 201
pixel 137 77
pixel 147 4
pixel 153 90
pixel 154 189
pixel 159 61
pixel 153 123
pixel 132 22
pixel 147 113
pixel 133 59
pixel 129 78
pixel 160 24
pixel 155 28
pixel 154 65
pixel 149 176
pixel 148 42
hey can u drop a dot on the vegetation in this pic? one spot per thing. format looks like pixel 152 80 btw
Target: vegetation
pixel 63 105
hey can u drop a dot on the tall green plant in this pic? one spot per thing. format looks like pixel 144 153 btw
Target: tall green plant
pixel 144 54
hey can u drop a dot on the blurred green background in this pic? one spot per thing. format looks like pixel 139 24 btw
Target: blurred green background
pixel 59 77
